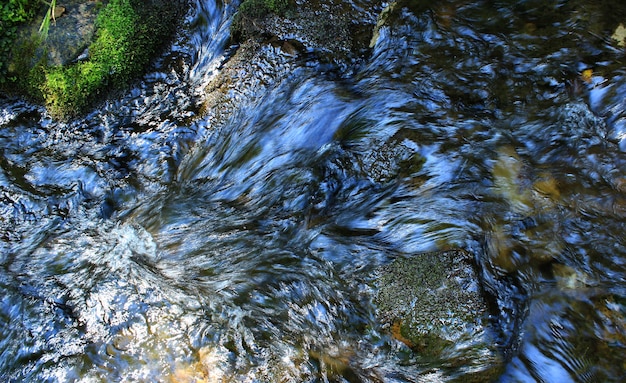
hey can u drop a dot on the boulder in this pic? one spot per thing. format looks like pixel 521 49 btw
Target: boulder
pixel 336 31
pixel 435 305
pixel 90 48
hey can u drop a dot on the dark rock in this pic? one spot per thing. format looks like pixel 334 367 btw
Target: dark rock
pixel 70 31
pixel 338 31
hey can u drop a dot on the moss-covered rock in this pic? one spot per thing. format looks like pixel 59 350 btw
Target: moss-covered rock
pixel 433 302
pixel 86 56
pixel 70 31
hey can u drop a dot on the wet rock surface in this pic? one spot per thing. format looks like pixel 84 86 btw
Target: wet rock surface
pixel 253 67
pixel 71 30
pixel 433 303
pixel 271 48
pixel 336 31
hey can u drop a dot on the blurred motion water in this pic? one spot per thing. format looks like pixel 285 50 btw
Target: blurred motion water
pixel 154 240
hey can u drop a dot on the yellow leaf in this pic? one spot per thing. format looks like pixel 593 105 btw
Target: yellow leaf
pixel 620 35
pixel 586 75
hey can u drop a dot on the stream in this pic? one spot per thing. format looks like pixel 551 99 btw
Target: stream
pixel 160 240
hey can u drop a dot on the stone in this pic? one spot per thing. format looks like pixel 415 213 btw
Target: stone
pixel 397 157
pixel 71 30
pixel 88 50
pixel 434 304
pixel 337 31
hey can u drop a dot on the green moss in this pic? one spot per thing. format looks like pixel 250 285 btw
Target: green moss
pixel 68 90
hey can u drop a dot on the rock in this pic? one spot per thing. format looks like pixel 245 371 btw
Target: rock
pixel 569 278
pixel 388 16
pixel 96 48
pixel 396 158
pixel 381 21
pixel 71 30
pixel 245 77
pixel 336 30
pixel 533 198
pixel 433 303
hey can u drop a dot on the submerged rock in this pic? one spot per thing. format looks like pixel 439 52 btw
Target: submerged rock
pixel 394 158
pixel 433 303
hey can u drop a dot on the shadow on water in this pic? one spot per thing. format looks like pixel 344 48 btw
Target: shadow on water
pixel 157 239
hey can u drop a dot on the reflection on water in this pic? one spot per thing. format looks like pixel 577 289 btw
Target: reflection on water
pixel 161 239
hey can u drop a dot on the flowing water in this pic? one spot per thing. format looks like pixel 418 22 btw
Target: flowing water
pixel 159 240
